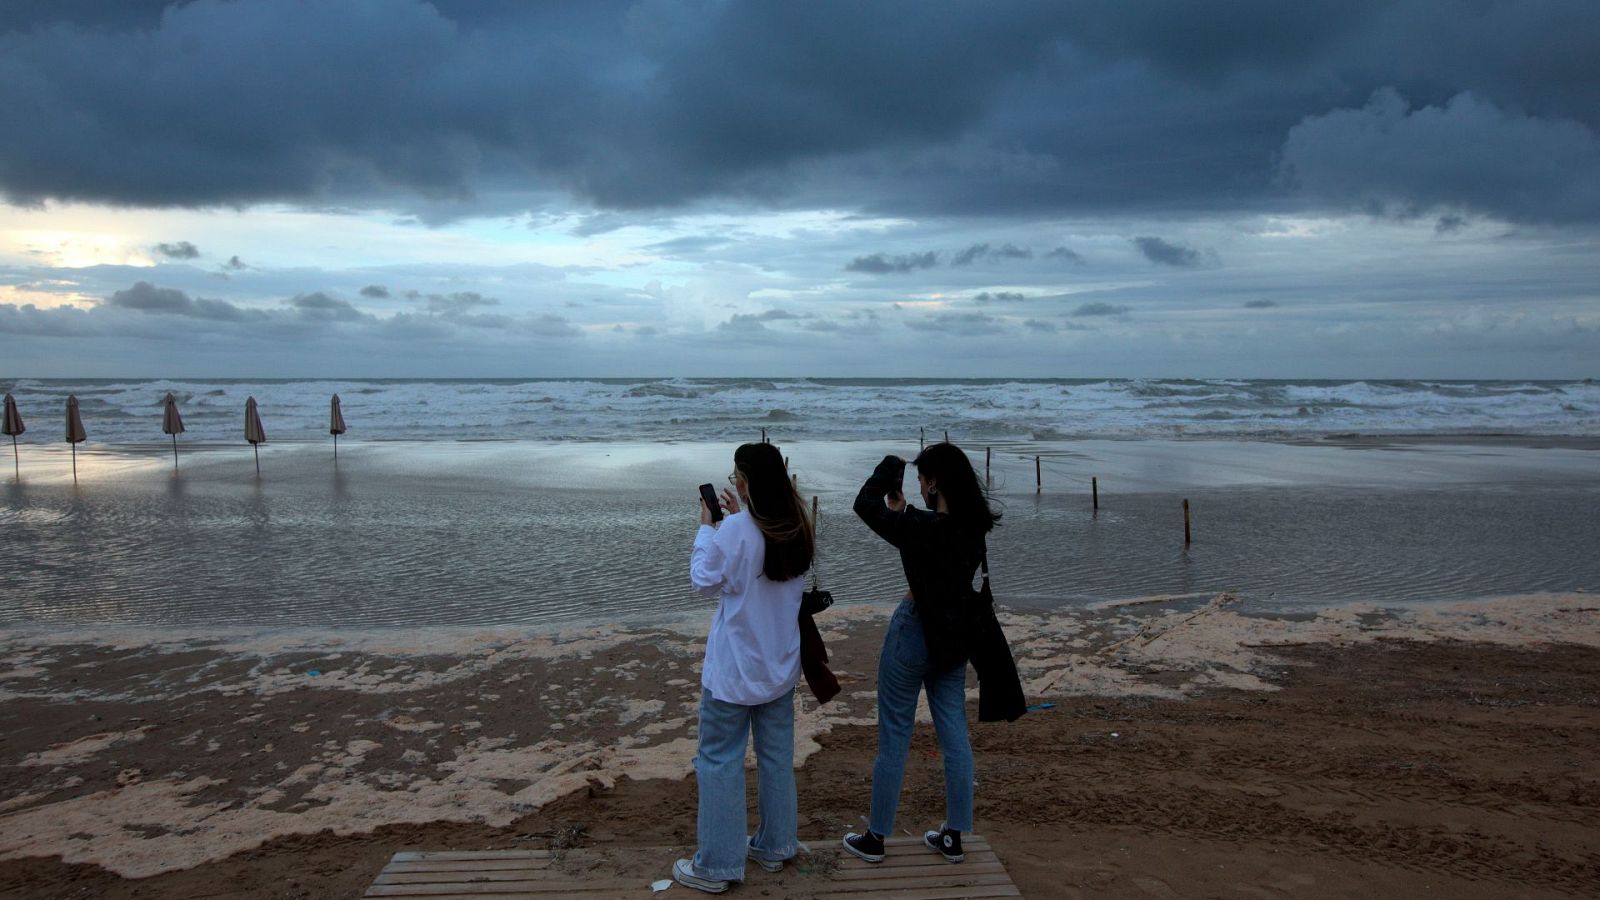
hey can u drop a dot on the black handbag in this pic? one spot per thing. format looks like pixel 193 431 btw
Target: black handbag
pixel 815 601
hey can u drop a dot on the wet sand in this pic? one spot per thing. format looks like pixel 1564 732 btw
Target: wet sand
pixel 1196 748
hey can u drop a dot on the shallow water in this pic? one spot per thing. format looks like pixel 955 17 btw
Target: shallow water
pixel 535 533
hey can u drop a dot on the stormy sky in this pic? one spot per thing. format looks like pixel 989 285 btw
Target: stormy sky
pixel 476 188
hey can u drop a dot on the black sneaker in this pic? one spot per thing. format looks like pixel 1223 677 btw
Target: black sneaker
pixel 946 843
pixel 868 846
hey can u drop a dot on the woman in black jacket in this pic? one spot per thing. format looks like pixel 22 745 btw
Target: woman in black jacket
pixel 927 644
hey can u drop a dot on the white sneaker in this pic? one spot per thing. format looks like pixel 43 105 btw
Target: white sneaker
pixel 771 865
pixel 683 873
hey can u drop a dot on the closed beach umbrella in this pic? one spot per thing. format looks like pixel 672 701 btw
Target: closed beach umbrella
pixel 14 427
pixel 172 423
pixel 335 425
pixel 75 432
pixel 253 431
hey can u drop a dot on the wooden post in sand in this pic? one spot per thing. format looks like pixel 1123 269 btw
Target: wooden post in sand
pixel 1186 522
pixel 1094 485
pixel 813 510
pixel 1038 477
pixel 763 435
pixel 922 437
pixel 988 457
pixel 947 435
pixel 795 481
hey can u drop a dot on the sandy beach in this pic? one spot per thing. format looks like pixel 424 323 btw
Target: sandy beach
pixel 1194 748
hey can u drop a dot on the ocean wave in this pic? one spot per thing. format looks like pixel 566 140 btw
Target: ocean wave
pixel 129 411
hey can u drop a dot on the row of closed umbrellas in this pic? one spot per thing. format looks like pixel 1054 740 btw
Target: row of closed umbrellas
pixel 171 423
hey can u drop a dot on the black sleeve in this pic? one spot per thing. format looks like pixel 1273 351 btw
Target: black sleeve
pixel 894 527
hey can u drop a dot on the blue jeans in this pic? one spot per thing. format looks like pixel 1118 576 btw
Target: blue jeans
pixel 719 768
pixel 902 673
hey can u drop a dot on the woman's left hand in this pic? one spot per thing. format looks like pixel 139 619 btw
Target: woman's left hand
pixel 730 501
pixel 705 514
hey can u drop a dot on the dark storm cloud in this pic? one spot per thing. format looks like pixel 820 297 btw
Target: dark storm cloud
pixel 375 292
pixel 179 250
pixel 235 264
pixel 1009 106
pixel 1100 309
pixel 883 264
pixel 1167 253
pixel 998 297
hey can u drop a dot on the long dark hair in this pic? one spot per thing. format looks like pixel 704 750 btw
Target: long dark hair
pixel 948 467
pixel 778 511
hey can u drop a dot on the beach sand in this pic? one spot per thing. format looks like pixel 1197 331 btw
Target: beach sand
pixel 1195 748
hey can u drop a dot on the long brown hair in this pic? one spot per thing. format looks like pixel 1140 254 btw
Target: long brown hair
pixel 778 511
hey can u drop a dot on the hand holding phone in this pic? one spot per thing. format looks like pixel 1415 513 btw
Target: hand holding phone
pixel 708 496
pixel 896 497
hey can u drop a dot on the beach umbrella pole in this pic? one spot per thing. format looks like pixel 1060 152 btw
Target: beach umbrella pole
pixel 174 453
pixel 257 449
pixel 74 462
pixel 336 446
pixel 15 464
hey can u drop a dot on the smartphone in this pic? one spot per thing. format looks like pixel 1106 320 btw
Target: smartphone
pixel 709 495
pixel 899 478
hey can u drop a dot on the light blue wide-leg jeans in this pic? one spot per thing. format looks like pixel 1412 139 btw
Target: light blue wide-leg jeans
pixel 902 674
pixel 719 769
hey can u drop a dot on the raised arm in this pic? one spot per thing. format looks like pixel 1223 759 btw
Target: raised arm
pixel 714 563
pixel 893 525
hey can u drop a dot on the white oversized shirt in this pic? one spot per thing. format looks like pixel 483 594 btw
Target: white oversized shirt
pixel 753 650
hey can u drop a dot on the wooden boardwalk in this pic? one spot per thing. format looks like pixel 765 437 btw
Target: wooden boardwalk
pixel 591 873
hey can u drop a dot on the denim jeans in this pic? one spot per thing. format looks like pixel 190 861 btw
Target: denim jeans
pixel 902 673
pixel 719 768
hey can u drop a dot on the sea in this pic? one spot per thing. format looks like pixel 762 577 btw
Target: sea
pixel 120 411
pixel 557 503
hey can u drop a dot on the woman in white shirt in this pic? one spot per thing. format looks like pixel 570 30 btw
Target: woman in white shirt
pixel 755 560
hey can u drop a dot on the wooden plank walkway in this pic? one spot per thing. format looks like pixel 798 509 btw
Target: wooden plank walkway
pixel 911 871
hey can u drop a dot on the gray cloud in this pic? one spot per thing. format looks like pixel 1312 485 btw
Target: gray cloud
pixel 319 307
pixel 1260 304
pixel 179 250
pixel 1067 254
pixel 1042 326
pixel 1008 107
pixel 235 264
pixel 147 298
pixel 882 264
pixel 375 291
pixel 1100 309
pixel 985 251
pixel 957 323
pixel 458 302
pixel 1393 157
pixel 1166 253
pixel 998 297
pixel 749 322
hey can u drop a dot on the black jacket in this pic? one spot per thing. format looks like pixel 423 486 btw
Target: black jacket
pixel 940 559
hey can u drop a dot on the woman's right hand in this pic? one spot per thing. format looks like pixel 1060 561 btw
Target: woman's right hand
pixel 730 501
